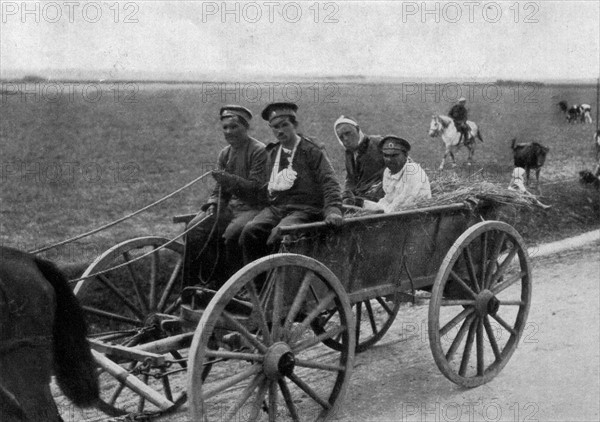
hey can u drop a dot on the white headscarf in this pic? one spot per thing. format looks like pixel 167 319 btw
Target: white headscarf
pixel 345 120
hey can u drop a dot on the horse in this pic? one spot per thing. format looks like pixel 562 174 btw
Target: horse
pixel 444 126
pixel 42 331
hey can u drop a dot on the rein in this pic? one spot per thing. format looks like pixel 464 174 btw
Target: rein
pixel 115 222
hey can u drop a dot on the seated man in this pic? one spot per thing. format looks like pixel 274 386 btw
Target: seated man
pixel 302 186
pixel 404 181
pixel 241 174
pixel 364 162
pixel 458 113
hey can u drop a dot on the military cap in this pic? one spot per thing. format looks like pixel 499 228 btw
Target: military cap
pixel 462 100
pixel 392 143
pixel 274 110
pixel 235 110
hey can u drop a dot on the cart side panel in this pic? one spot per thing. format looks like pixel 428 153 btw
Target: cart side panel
pixel 368 254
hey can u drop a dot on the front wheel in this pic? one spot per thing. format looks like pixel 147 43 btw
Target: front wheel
pixel 269 364
pixel 479 303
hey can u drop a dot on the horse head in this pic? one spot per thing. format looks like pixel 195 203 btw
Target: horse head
pixel 435 126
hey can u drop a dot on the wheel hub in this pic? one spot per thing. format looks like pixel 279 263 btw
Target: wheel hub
pixel 486 303
pixel 279 361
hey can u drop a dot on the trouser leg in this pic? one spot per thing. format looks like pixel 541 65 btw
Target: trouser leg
pixel 253 239
pixel 233 252
pixel 202 245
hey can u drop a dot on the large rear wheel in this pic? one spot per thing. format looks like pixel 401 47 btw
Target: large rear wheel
pixel 479 304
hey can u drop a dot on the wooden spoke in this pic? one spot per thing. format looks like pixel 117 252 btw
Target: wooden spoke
pixel 318 339
pixel 459 337
pixel 502 267
pixel 154 269
pixel 498 244
pixel 371 316
pixel 135 282
pixel 272 402
pixel 277 309
pixel 480 352
pixel 231 381
pixel 506 326
pixel 449 302
pixel 311 393
pixel 128 303
pixel 258 400
pixel 316 365
pixel 244 332
pixel 321 306
pixel 169 287
pixel 471 268
pixel 258 309
pixel 298 300
pixel 167 386
pixel 492 339
pixel 484 263
pixel 113 316
pixel 498 288
pixel 461 283
pixel 244 397
pixel 384 305
pixel 454 321
pixel 358 319
pixel 512 302
pixel 287 397
pixel 173 306
pixel 467 351
pixel 224 354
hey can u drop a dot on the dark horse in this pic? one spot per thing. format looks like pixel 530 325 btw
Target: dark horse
pixel 42 331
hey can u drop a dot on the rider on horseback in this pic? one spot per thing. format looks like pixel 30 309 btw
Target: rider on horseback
pixel 458 113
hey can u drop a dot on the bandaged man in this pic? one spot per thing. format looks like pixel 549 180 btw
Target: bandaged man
pixel 404 182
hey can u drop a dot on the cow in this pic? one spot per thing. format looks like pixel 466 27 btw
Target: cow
pixel 530 156
pixel 577 112
pixel 585 113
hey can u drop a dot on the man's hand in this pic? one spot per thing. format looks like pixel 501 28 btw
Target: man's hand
pixel 334 219
pixel 225 179
pixel 211 209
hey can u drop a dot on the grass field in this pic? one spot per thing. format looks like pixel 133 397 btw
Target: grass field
pixel 70 163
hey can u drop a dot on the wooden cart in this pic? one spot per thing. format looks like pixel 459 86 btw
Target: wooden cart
pixel 277 341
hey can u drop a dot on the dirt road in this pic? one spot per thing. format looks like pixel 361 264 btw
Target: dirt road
pixel 553 376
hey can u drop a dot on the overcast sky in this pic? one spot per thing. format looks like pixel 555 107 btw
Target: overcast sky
pixel 463 39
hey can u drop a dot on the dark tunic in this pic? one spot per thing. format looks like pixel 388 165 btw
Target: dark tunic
pixel 365 170
pixel 315 194
pixel 458 112
pixel 212 251
pixel 249 162
pixel 316 185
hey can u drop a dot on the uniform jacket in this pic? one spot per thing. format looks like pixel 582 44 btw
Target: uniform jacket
pixel 365 170
pixel 315 186
pixel 249 163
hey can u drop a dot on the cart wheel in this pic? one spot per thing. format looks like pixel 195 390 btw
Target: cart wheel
pixel 481 296
pixel 373 318
pixel 128 306
pixel 270 363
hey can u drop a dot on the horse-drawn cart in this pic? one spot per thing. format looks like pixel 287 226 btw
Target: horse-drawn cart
pixel 277 340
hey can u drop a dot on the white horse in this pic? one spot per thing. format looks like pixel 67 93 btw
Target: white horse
pixel 444 126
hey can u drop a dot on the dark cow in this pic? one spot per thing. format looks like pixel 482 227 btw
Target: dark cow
pixel 530 155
